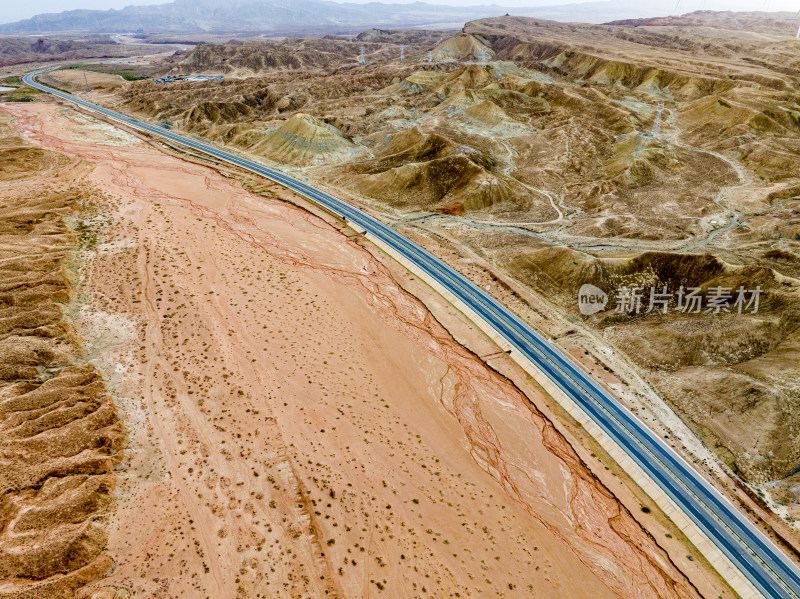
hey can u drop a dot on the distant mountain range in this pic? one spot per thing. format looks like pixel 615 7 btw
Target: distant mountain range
pixel 282 17
pixel 278 16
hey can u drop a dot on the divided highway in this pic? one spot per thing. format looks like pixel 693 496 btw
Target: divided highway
pixel 759 560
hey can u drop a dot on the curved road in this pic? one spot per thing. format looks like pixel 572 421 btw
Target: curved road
pixel 760 560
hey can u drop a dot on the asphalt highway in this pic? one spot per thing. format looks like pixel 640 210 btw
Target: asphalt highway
pixel 756 556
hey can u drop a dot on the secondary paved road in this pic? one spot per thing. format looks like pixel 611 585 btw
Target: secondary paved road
pixel 764 564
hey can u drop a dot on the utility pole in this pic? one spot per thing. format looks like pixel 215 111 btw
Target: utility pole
pixel 86 79
pixel 402 53
pixel 656 130
pixel 361 56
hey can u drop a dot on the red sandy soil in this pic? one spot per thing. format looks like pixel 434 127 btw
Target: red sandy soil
pixel 299 426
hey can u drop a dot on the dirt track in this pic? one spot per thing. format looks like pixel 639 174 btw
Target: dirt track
pixel 300 426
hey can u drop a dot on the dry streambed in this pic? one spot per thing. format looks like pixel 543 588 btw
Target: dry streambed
pixel 300 426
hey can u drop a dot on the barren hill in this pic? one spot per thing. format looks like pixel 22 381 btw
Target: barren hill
pixel 20 50
pixel 295 54
pixel 771 23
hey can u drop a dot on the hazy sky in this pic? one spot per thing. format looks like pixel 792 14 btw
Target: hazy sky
pixel 11 10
